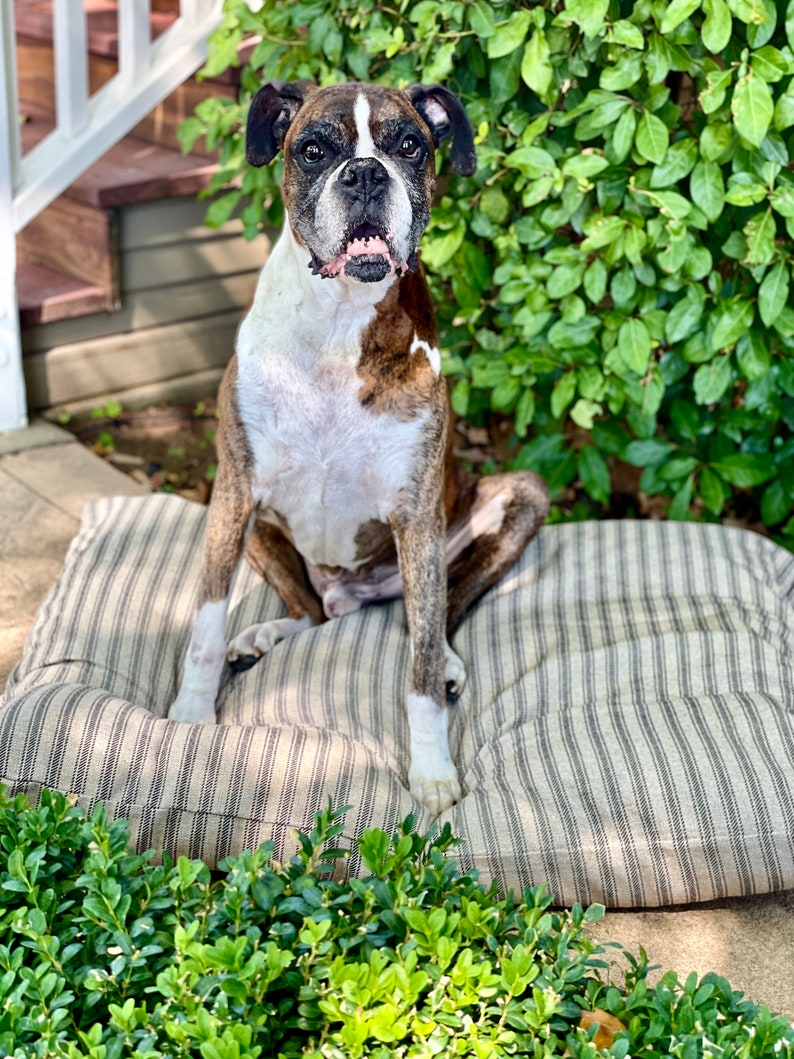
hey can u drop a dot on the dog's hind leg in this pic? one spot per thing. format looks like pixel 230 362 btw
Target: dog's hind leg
pixel 505 513
pixel 274 557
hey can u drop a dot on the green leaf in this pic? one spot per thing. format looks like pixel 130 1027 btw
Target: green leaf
pixel 563 393
pixel 713 491
pixel 716 83
pixel 769 63
pixel 623 288
pixel 584 165
pixel 676 468
pixel 745 471
pixel 716 141
pixel 676 13
pixel 590 15
pixel 730 321
pixel 595 281
pixel 221 209
pixel 509 35
pixel 744 190
pixel 625 32
pixel 441 64
pixel 760 235
pixel 594 474
pixel 495 205
pixel 647 452
pixel 481 19
pixel 707 189
pixel 600 231
pixel 776 503
pixel 652 138
pixel 752 12
pixel 623 135
pixel 584 412
pixel 773 293
pixel 782 198
pixel 634 344
pixel 626 72
pixel 712 379
pixel 679 509
pixel 536 69
pixel 438 249
pixel 716 29
pixel 679 160
pixel 752 108
pixel 533 162
pixel 752 354
pixel 685 316
pixel 565 279
pixel 784 109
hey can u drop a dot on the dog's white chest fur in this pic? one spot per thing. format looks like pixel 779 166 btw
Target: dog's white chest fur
pixel 323 464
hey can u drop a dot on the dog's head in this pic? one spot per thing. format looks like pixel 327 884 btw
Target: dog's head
pixel 359 170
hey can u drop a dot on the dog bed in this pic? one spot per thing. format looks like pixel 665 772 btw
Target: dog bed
pixel 626 733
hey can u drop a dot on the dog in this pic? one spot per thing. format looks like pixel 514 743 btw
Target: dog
pixel 334 472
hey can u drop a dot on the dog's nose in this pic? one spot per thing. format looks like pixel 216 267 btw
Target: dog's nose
pixel 366 176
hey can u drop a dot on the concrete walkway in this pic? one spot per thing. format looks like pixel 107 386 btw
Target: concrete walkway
pixel 45 478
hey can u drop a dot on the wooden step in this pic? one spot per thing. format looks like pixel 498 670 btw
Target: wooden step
pixel 46 295
pixel 76 240
pixel 132 171
pixel 73 240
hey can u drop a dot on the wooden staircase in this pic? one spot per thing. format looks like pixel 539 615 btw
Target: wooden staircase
pixel 94 266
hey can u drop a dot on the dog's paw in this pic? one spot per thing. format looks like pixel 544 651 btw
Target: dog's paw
pixel 192 709
pixel 454 672
pixel 436 793
pixel 247 648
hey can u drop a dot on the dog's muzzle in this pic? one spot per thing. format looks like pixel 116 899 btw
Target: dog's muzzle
pixel 363 185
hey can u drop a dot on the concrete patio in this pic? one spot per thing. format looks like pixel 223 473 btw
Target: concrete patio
pixel 46 477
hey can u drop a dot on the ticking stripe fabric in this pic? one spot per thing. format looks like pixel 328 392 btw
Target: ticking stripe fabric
pixel 626 734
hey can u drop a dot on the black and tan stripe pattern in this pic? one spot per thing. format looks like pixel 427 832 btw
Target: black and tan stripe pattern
pixel 627 732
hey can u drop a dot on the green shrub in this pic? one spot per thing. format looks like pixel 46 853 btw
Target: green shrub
pixel 616 275
pixel 104 955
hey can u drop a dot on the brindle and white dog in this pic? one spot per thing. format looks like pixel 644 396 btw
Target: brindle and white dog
pixel 334 470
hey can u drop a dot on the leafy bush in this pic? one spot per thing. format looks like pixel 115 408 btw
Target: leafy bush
pixel 620 264
pixel 104 955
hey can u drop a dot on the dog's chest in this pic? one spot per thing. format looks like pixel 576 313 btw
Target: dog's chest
pixel 323 464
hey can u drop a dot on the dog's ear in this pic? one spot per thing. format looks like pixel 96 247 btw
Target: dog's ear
pixel 271 113
pixel 444 115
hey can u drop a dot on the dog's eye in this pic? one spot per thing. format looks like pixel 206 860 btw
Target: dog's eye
pixel 312 152
pixel 409 148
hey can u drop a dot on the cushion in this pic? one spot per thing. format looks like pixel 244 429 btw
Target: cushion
pixel 626 733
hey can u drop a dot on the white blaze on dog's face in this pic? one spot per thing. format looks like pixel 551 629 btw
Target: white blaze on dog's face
pixel 359 180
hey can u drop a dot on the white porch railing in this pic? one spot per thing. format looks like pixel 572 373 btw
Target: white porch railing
pixel 86 127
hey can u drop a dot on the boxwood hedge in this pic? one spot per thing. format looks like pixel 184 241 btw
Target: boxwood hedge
pixel 616 276
pixel 105 955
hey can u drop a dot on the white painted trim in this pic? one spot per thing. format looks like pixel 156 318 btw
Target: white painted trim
pixel 13 407
pixel 87 127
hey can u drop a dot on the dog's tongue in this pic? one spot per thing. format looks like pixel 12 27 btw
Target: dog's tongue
pixel 361 246
pixel 371 245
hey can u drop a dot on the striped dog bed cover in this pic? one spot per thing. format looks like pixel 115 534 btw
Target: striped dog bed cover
pixel 626 733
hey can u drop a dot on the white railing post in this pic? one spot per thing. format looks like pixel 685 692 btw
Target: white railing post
pixel 13 410
pixel 134 38
pixel 70 41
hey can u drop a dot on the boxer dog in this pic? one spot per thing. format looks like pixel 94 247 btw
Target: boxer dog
pixel 334 469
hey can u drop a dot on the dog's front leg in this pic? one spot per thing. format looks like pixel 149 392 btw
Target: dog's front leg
pixel 432 777
pixel 227 523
